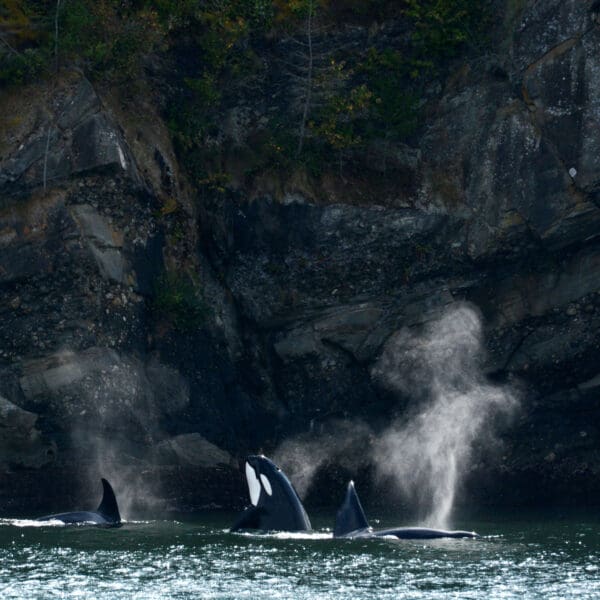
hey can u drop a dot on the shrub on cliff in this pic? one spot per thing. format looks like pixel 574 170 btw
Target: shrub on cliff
pixel 177 300
pixel 23 42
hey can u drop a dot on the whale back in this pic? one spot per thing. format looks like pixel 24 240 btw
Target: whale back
pixel 351 516
pixel 107 514
pixel 275 505
pixel 77 518
pixel 423 533
pixel 108 506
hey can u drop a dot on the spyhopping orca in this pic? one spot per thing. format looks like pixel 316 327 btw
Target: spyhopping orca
pixel 106 515
pixel 275 505
pixel 350 522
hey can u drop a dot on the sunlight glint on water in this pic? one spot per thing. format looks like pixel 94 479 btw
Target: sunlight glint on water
pixel 545 558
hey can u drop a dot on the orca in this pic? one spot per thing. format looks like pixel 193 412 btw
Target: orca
pixel 106 515
pixel 351 522
pixel 274 503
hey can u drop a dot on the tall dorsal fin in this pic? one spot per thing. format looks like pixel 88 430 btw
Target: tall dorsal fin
pixel 351 516
pixel 108 507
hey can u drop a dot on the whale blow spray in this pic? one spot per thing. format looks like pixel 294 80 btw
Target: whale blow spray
pixel 302 456
pixel 428 454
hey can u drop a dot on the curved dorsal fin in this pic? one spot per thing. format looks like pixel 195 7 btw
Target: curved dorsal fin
pixel 351 516
pixel 108 507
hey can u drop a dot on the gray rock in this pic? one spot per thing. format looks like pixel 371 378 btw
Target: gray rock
pixel 82 103
pixel 192 449
pixel 104 243
pixel 346 326
pixel 13 171
pixel 590 384
pixel 286 260
pixel 96 145
pixel 21 443
pixel 521 295
pixel 101 389
pixel 545 26
pixel 80 139
pixel 562 86
pixel 94 227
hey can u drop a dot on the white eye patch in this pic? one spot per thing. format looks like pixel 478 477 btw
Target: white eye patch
pixel 266 484
pixel 253 484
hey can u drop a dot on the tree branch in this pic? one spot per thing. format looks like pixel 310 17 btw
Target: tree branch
pixel 56 33
pixel 309 33
pixel 5 42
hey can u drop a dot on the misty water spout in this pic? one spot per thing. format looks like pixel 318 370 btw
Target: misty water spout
pixel 302 456
pixel 427 453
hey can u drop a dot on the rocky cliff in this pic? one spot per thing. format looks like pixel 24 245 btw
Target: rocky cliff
pixel 154 333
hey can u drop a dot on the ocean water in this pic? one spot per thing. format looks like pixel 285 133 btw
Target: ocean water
pixel 534 555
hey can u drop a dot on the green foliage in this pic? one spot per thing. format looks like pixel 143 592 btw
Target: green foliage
pixel 359 10
pixel 442 28
pixel 217 58
pixel 288 13
pixel 395 106
pixel 278 149
pixel 218 26
pixel 340 121
pixel 213 181
pixel 173 14
pixel 106 37
pixel 19 23
pixel 357 97
pixel 376 99
pixel 379 95
pixel 23 43
pixel 22 67
pixel 177 299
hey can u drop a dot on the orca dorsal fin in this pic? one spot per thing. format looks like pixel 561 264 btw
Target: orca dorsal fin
pixel 108 507
pixel 351 516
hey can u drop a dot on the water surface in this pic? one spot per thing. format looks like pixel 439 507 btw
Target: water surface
pixel 522 556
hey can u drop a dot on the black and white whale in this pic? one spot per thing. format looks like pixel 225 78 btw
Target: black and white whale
pixel 106 515
pixel 350 522
pixel 274 503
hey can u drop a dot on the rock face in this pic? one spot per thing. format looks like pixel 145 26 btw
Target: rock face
pixel 21 444
pixel 503 211
pixel 78 265
pixel 77 138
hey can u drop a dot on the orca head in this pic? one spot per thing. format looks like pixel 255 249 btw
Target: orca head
pixel 351 516
pixel 264 478
pixel 277 504
pixel 108 508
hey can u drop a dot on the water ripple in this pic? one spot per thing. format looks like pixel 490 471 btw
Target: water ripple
pixel 175 559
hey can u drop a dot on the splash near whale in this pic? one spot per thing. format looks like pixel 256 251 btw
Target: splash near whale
pixel 274 503
pixel 351 522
